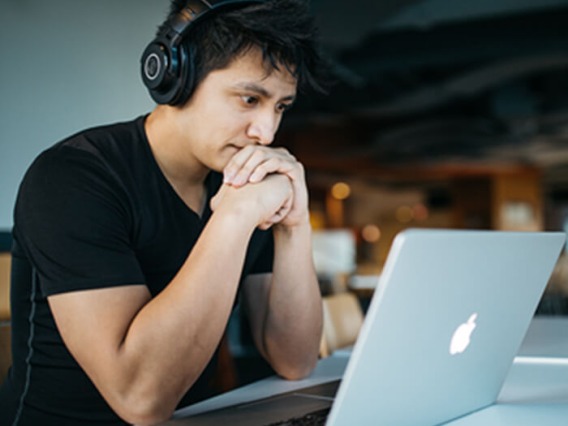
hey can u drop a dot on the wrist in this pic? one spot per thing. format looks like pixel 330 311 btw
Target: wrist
pixel 238 214
pixel 300 227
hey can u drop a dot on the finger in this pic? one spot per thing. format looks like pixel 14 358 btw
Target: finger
pixel 281 213
pixel 287 206
pixel 236 163
pixel 217 198
pixel 247 169
pixel 272 165
pixel 245 163
pixel 269 223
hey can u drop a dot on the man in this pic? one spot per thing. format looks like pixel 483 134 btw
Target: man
pixel 133 241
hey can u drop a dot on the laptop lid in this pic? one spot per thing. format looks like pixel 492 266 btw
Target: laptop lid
pixel 444 325
pixel 404 368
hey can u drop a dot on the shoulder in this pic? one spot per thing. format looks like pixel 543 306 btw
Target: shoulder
pixel 90 168
pixel 93 153
pixel 105 143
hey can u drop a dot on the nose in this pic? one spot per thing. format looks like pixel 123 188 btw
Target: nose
pixel 263 126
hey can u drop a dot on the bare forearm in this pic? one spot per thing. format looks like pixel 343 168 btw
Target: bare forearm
pixel 173 337
pixel 294 322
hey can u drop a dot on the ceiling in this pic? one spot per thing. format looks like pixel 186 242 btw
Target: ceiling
pixel 436 88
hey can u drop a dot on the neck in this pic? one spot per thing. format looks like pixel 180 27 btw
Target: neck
pixel 172 150
pixel 173 155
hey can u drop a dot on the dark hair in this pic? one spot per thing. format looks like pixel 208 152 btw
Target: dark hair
pixel 284 30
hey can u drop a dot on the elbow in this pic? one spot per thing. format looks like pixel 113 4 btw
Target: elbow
pixel 145 418
pixel 297 371
pixel 143 411
pixel 294 364
pixel 295 374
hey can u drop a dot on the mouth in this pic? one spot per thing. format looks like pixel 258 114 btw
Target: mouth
pixel 236 147
pixel 233 148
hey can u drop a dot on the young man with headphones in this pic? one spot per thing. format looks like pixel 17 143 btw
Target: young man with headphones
pixel 134 241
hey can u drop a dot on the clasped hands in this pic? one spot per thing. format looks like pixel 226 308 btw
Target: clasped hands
pixel 271 180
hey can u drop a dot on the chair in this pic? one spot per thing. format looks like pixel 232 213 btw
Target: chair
pixel 5 350
pixel 342 320
pixel 5 344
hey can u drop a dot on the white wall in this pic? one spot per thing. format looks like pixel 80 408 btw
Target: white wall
pixel 66 65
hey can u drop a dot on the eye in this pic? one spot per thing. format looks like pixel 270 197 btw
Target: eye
pixel 283 107
pixel 249 100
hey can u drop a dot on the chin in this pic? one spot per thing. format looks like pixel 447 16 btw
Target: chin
pixel 218 166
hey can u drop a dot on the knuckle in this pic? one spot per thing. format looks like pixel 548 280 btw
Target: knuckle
pixel 259 155
pixel 287 154
pixel 247 170
pixel 282 150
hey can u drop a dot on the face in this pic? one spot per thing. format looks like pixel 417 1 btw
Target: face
pixel 237 106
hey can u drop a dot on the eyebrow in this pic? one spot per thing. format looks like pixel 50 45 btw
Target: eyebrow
pixel 252 87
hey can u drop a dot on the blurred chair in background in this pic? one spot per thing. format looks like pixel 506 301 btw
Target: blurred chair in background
pixel 554 301
pixel 342 320
pixel 5 346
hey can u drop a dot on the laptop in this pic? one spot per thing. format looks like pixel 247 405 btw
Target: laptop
pixel 447 318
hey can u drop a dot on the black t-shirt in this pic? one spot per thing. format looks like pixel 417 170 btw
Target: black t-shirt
pixel 93 211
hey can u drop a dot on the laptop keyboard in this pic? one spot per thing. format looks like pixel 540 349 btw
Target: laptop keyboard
pixel 316 418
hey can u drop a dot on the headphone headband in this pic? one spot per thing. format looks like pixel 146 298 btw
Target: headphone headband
pixel 167 68
pixel 191 12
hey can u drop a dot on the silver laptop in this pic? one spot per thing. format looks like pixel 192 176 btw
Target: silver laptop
pixel 446 320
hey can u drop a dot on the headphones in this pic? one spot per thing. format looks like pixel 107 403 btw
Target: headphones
pixel 167 66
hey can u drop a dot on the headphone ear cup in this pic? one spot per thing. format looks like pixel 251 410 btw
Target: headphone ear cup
pixel 186 81
pixel 160 69
pixel 154 65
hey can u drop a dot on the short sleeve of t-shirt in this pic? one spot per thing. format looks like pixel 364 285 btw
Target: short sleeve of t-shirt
pixel 73 221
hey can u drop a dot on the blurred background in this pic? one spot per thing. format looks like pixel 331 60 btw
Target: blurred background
pixel 448 114
pixel 444 114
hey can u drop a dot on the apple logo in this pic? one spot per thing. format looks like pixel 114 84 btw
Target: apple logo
pixel 461 337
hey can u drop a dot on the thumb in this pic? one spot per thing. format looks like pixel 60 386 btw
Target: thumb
pixel 216 200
